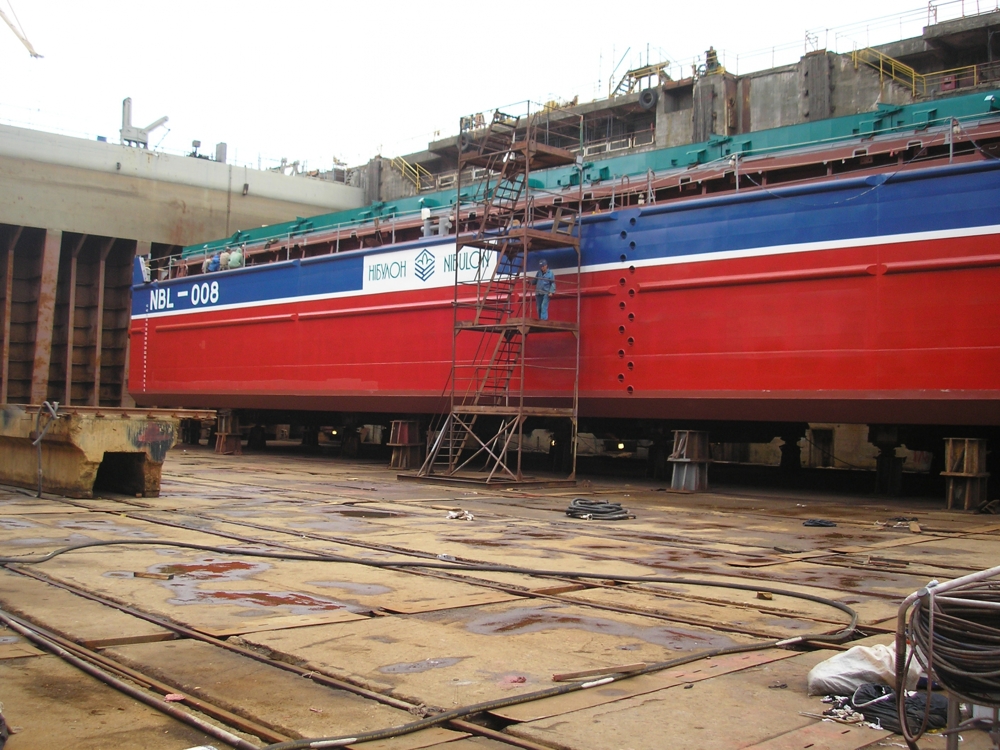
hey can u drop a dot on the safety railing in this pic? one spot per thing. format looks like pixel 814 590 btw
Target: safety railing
pixel 181 264
pixel 415 173
pixel 920 84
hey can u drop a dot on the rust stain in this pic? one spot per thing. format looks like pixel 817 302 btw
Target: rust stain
pixel 156 438
pixel 299 603
pixel 208 569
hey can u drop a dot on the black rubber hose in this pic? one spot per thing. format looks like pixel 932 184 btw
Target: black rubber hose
pixel 597 510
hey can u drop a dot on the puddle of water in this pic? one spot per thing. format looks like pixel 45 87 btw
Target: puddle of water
pixel 483 542
pixel 188 587
pixel 351 513
pixel 10 524
pixel 337 526
pixel 788 624
pixel 108 526
pixel 414 667
pixel 361 589
pixel 532 620
pixel 537 534
pixel 66 540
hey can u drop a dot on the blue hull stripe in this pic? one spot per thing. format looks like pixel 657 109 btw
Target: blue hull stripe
pixel 938 203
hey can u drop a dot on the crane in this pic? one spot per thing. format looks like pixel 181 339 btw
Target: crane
pixel 19 34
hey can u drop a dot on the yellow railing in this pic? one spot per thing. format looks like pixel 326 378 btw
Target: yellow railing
pixel 900 72
pixel 412 172
pixel 918 83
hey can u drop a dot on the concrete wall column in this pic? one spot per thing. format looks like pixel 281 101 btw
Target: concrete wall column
pixel 46 315
pixel 704 116
pixel 815 87
pixel 7 301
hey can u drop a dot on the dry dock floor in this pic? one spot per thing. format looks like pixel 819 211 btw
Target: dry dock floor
pixel 276 649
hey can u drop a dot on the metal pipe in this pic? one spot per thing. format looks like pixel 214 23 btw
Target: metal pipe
pixel 52 408
pixel 123 687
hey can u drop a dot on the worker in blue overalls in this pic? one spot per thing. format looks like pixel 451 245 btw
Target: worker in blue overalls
pixel 545 285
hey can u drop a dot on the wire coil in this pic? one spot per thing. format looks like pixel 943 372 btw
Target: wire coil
pixel 956 637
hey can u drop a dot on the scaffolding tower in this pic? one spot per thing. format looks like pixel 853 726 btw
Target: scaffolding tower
pixel 498 380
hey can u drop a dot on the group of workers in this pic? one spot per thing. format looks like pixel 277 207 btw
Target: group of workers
pixel 222 261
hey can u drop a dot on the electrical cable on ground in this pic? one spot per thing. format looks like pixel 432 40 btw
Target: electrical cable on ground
pixel 465 567
pixel 476 708
pixel 458 713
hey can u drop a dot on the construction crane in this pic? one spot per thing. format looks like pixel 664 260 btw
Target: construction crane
pixel 19 33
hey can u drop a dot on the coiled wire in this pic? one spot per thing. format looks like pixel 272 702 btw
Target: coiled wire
pixel 956 635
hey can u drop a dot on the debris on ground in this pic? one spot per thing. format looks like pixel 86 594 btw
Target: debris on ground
pixel 460 515
pixel 877 705
pixel 845 672
pixel 821 522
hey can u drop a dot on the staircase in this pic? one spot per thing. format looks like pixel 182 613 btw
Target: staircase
pixel 419 176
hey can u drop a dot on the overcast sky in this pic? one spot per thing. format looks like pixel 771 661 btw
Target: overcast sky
pixel 314 81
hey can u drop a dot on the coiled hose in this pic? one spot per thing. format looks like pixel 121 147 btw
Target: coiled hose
pixel 956 635
pixel 597 510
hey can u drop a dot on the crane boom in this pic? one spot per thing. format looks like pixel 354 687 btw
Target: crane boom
pixel 19 35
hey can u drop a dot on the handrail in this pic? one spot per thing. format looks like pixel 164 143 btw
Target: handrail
pixel 918 83
pixel 896 70
pixel 412 172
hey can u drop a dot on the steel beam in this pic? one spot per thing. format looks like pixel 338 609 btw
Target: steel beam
pixel 95 398
pixel 7 300
pixel 71 318
pixel 51 249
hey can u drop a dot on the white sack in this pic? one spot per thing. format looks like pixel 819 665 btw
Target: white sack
pixel 843 673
